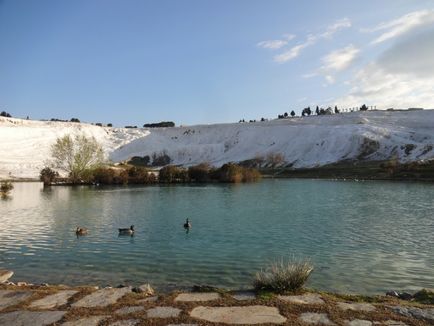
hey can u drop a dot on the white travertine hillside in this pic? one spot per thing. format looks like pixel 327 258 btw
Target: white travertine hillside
pixel 304 142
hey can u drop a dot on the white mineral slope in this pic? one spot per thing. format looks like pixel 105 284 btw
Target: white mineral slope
pixel 25 144
pixel 304 142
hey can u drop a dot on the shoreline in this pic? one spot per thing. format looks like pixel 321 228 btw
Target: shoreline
pixel 201 305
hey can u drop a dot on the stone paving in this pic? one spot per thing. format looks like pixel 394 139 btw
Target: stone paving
pixel 124 306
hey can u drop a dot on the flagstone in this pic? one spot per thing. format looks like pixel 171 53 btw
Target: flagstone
pixel 10 298
pixel 34 318
pixel 197 296
pixel 239 315
pixel 102 298
pixel 53 300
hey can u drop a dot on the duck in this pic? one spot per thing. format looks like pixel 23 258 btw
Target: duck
pixel 127 230
pixel 80 231
pixel 187 224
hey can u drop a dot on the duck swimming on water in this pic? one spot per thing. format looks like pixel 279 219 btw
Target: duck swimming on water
pixel 80 231
pixel 127 231
pixel 187 224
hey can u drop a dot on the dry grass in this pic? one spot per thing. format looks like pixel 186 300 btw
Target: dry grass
pixel 283 276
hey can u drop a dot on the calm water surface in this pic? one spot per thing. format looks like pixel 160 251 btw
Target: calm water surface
pixel 365 237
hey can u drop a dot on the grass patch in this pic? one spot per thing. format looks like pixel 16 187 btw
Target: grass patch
pixel 283 276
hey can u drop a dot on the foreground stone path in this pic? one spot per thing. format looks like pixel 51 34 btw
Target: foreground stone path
pixel 126 306
pixel 201 296
pixel 34 318
pixel 308 298
pixel 239 315
pixel 10 298
pixel 53 300
pixel 315 318
pixel 89 321
pixel 102 298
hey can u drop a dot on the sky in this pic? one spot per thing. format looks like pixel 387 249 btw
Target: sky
pixel 131 62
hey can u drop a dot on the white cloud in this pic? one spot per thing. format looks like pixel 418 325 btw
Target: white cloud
pixel 402 25
pixel 341 59
pixel 294 51
pixel 402 77
pixel 276 44
pixel 289 37
pixel 311 40
pixel 272 44
pixel 337 26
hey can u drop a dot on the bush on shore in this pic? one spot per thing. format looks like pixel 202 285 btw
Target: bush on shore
pixel 173 174
pixel 48 176
pixel 5 188
pixel 200 173
pixel 233 173
pixel 283 276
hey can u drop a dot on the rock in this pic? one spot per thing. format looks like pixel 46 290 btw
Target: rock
pixel 129 310
pixel 129 322
pixel 204 288
pixel 53 300
pixel 34 318
pixel 163 312
pixel 244 295
pixel 392 294
pixel 315 318
pixel 148 299
pixel 425 296
pixel 88 321
pixel 394 323
pixel 199 296
pixel 356 306
pixel 418 313
pixel 44 284
pixel 9 298
pixel 10 283
pixel 101 298
pixel 144 288
pixel 5 275
pixel 21 284
pixel 183 325
pixel 405 296
pixel 239 315
pixel 358 322
pixel 308 298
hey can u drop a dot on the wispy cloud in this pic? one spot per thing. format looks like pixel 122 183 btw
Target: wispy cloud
pixel 340 59
pixel 336 27
pixel 311 40
pixel 276 44
pixel 272 44
pixel 402 25
pixel 295 50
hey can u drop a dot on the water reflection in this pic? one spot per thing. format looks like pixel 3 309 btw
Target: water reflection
pixel 363 237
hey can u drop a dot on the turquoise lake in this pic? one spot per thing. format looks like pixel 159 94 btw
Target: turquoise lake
pixel 362 237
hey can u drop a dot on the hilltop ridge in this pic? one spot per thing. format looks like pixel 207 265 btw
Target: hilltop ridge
pixel 302 142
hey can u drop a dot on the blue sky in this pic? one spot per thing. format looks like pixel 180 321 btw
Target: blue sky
pixel 133 62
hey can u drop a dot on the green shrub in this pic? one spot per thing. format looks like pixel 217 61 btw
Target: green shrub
pixel 281 277
pixel 138 175
pixel 5 188
pixel 233 173
pixel 48 176
pixel 200 173
pixel 104 175
pixel 173 174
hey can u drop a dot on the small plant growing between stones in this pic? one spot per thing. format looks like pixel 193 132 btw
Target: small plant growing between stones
pixel 283 276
